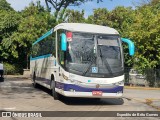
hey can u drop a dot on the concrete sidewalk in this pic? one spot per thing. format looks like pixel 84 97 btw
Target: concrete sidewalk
pixel 16 77
pixel 141 88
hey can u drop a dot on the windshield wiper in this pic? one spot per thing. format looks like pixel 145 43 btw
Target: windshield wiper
pixel 93 60
pixel 105 62
pixel 94 57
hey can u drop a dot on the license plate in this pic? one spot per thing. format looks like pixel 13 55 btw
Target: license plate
pixel 97 93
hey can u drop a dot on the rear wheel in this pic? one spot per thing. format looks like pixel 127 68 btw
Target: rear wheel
pixel 54 93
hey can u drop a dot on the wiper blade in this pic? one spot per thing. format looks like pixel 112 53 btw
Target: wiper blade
pixel 94 57
pixel 105 62
pixel 93 60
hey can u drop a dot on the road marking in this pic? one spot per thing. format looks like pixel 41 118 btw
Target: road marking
pixel 141 88
pixel 153 99
pixel 9 108
pixel 15 87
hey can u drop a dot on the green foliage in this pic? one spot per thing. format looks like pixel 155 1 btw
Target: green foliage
pixel 99 17
pixel 9 69
pixel 27 26
pixel 4 5
pixel 145 31
pixel 150 76
pixel 60 5
pixel 12 69
pixel 73 16
pixel 9 20
pixel 8 25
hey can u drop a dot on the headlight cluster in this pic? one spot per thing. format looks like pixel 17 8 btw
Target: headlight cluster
pixel 75 82
pixel 119 83
pixel 65 77
pixel 71 80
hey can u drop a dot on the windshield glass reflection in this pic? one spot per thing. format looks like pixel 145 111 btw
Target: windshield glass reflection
pixel 94 55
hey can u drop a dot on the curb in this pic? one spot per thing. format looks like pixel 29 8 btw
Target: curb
pixel 16 77
pixel 141 88
pixel 148 101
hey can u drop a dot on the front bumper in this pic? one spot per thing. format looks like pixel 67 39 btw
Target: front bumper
pixel 72 90
pixel 88 94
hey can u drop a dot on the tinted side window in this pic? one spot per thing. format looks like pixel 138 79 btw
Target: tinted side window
pixel 44 47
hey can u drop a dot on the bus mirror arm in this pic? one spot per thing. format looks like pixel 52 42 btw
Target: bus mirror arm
pixel 130 45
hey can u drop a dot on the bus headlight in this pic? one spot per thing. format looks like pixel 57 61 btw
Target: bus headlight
pixel 65 77
pixel 119 83
pixel 75 81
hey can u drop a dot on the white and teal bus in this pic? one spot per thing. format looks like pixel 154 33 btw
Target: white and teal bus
pixel 80 60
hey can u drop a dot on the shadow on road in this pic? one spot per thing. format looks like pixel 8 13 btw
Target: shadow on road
pixel 24 90
pixel 1 79
pixel 91 101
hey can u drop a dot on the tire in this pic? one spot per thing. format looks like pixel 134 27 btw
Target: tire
pixel 1 79
pixel 97 99
pixel 54 93
pixel 34 81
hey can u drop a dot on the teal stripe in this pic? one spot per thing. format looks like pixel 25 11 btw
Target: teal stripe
pixel 44 36
pixel 41 57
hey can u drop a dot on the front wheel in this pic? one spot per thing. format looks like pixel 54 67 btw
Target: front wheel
pixel 54 93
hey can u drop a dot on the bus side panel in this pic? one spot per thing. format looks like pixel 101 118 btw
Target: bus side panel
pixel 43 68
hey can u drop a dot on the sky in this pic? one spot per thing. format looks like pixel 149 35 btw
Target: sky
pixel 19 5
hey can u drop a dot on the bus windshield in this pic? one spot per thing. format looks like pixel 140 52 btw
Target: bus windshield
pixel 94 55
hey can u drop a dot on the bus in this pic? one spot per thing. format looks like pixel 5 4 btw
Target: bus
pixel 80 60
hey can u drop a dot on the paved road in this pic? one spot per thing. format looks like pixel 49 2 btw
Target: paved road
pixel 17 94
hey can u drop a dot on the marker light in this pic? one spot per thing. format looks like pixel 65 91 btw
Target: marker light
pixel 69 36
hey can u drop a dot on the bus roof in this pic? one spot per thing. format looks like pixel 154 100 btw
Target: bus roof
pixel 83 27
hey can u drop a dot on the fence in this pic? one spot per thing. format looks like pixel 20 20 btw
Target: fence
pixel 151 77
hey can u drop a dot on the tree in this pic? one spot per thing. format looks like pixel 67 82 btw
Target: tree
pixel 114 18
pixel 73 16
pixel 145 31
pixel 32 27
pixel 142 3
pixel 4 5
pixel 100 17
pixel 154 2
pixel 59 5
pixel 34 22
pixel 9 20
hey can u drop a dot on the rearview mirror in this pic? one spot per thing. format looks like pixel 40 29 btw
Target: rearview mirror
pixel 130 45
pixel 63 42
